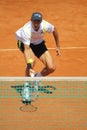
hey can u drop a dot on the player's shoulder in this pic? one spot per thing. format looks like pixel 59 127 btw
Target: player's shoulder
pixel 27 28
pixel 27 25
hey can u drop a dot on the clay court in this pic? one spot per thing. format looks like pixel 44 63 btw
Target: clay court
pixel 70 19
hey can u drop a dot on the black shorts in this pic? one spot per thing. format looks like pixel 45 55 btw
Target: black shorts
pixel 37 49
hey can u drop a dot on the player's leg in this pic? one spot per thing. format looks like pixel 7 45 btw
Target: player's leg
pixel 47 60
pixel 44 55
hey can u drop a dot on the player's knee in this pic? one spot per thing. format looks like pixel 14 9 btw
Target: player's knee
pixel 52 68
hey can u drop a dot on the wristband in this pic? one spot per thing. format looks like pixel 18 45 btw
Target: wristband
pixel 29 66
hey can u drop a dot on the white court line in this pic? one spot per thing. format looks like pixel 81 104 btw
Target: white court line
pixel 62 48
pixel 70 48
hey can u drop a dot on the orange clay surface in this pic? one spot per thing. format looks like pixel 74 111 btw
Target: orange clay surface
pixel 70 19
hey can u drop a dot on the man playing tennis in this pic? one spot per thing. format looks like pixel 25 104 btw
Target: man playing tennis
pixel 31 43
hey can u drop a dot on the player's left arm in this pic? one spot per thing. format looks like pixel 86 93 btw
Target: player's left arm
pixel 56 37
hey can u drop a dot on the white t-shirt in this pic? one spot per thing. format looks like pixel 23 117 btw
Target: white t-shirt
pixel 28 35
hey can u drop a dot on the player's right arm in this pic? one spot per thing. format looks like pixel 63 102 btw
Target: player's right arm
pixel 24 35
pixel 28 54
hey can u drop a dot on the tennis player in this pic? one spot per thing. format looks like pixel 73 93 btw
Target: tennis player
pixel 30 41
